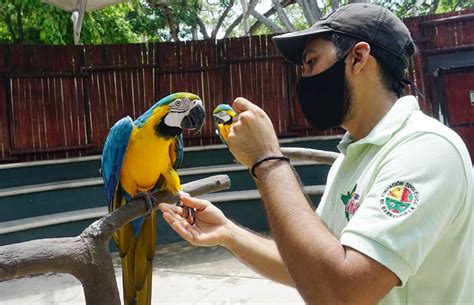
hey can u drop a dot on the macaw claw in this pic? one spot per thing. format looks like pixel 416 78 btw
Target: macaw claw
pixel 150 200
pixel 187 212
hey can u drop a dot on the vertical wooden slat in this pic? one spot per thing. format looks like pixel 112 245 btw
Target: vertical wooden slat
pixel 50 112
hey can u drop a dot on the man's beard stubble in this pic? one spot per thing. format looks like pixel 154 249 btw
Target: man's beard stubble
pixel 348 106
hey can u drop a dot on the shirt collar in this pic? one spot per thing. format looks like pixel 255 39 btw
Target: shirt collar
pixel 387 126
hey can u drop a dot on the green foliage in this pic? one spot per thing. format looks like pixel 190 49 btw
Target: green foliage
pixel 31 21
pixel 405 8
pixel 185 13
pixel 212 10
pixel 109 25
pixel 453 5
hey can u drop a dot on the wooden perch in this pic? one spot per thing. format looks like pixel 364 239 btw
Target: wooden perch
pixel 87 256
pixel 308 154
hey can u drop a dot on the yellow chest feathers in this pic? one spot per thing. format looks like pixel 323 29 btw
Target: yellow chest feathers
pixel 147 158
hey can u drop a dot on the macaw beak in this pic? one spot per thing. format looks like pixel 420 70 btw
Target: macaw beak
pixel 195 118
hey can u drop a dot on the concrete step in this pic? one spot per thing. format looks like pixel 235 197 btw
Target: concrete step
pixel 58 197
pixel 243 207
pixel 38 172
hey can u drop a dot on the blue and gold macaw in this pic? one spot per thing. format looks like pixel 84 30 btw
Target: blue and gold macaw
pixel 223 117
pixel 138 157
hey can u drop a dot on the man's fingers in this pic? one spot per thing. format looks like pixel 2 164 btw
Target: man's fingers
pixel 195 203
pixel 179 225
pixel 170 208
pixel 241 104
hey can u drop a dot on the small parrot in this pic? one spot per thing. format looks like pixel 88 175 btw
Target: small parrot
pixel 139 157
pixel 223 117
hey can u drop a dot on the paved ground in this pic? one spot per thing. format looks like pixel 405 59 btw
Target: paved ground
pixel 182 275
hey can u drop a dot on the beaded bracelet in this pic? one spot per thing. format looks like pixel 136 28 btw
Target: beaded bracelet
pixel 254 166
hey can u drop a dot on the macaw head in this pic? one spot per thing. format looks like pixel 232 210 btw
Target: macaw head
pixel 223 113
pixel 174 113
pixel 185 111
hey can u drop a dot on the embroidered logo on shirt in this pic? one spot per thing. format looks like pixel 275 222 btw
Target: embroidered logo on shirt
pixel 399 199
pixel 351 201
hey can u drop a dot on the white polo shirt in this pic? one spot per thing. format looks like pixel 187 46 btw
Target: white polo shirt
pixel 403 195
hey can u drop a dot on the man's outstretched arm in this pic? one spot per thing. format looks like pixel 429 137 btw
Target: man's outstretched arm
pixel 212 228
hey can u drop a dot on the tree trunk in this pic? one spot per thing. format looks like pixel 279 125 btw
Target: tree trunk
pixel 202 28
pixel 434 6
pixel 269 13
pixel 221 19
pixel 245 9
pixel 272 25
pixel 9 22
pixel 233 25
pixel 314 9
pixel 87 256
pixel 307 11
pixel 174 29
pixel 282 15
pixel 194 32
pixel 19 20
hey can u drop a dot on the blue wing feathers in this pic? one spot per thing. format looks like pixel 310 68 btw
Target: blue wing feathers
pixel 113 154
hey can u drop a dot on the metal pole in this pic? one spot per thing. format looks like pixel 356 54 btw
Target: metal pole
pixel 77 18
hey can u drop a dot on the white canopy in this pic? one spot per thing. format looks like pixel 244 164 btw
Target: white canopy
pixel 78 8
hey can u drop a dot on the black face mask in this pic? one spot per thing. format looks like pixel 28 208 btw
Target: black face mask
pixel 322 97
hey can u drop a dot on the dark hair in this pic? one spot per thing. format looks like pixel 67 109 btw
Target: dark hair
pixel 392 70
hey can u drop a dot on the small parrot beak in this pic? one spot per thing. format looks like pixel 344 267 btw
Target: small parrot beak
pixel 195 118
pixel 217 120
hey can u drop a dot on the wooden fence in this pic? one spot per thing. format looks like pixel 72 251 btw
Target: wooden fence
pixel 60 101
pixel 435 35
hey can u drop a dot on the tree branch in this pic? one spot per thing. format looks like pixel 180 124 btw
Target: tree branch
pixel 222 18
pixel 202 28
pixel 194 31
pixel 8 21
pixel 86 256
pixel 233 25
pixel 239 19
pixel 434 6
pixel 308 154
pixel 282 15
pixel 315 10
pixel 269 13
pixel 272 25
pixel 163 5
pixel 19 20
pixel 306 11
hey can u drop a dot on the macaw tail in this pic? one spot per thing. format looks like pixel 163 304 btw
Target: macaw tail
pixel 137 253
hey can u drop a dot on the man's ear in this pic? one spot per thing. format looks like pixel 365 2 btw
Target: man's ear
pixel 359 56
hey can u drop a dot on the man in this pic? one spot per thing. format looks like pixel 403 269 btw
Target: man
pixel 394 225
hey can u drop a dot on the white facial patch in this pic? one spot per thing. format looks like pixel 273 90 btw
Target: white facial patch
pixel 222 115
pixel 179 109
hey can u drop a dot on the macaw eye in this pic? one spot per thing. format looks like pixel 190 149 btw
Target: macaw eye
pixel 177 103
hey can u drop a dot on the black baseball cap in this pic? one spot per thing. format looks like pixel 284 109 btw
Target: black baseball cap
pixel 371 23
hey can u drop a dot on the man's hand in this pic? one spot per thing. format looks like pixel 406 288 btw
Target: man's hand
pixel 210 227
pixel 252 136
